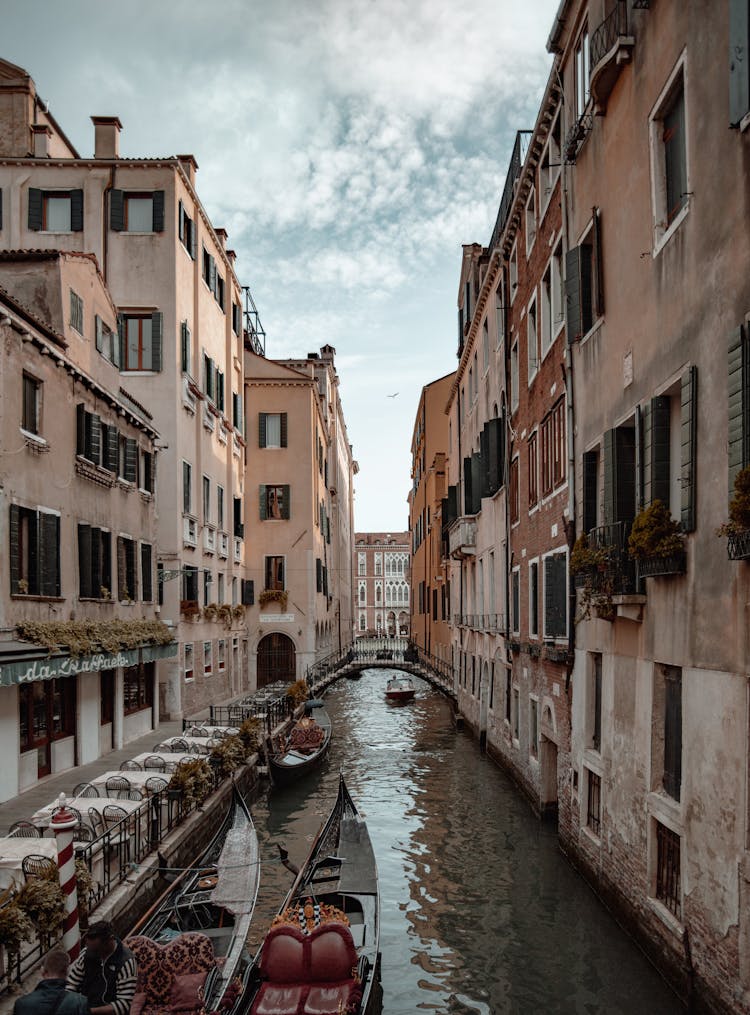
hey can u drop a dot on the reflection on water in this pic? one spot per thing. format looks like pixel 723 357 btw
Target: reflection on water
pixel 480 913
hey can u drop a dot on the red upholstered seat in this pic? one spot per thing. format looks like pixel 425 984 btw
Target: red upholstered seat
pixel 283 958
pixel 325 1000
pixel 332 954
pixel 280 999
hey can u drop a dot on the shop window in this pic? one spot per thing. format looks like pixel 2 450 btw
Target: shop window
pixel 138 688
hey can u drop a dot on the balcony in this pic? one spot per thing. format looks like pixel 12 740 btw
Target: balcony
pixel 611 49
pixel 189 531
pixel 209 539
pixel 489 623
pixel 615 576
pixel 517 159
pixel 236 446
pixel 462 539
pixel 223 544
pixel 237 550
pixel 209 421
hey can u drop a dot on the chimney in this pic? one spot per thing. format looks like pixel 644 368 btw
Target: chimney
pixel 41 134
pixel 106 137
pixel 232 255
pixel 189 167
pixel 222 234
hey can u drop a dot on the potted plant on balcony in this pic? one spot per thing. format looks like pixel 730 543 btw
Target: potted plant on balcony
pixel 224 613
pixel 228 755
pixel 657 542
pixel 737 529
pixel 15 928
pixel 210 612
pixel 273 596
pixel 593 574
pixel 238 611
pixel 189 608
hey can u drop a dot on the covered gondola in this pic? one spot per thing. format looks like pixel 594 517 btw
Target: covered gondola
pixel 304 748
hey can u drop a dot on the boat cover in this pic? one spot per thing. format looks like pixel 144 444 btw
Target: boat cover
pixel 238 871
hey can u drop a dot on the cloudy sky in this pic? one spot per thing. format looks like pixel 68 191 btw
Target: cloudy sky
pixel 349 147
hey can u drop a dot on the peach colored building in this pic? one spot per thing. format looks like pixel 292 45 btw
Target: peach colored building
pixel 381 569
pixel 177 345
pixel 78 475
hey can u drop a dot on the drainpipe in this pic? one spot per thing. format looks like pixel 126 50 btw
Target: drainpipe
pixel 105 224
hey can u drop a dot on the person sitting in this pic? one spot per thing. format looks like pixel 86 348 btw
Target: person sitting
pixel 50 997
pixel 105 972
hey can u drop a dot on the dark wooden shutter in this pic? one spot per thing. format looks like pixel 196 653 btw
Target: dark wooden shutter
pixel 122 581
pixel 157 328
pixel 49 554
pixel 185 348
pixel 590 490
pixel 476 483
pixel 269 573
pixel 158 212
pixel 263 502
pixel 248 592
pixel 193 238
pixel 117 210
pixel 220 390
pixel 95 438
pixel 76 211
pixel 35 209
pixel 212 274
pixel 284 430
pixel 131 459
pixel 85 587
pixel 180 221
pixel 1 209
pixel 468 499
pixel 495 453
pixel 555 596
pixel 262 426
pixel 672 731
pixel 619 475
pixel 578 291
pixel 106 562
pixel 239 528
pixel 484 454
pixel 319 574
pixel 15 548
pixel 147 479
pixel 287 494
pixel 688 442
pixel 147 593
pixel 121 339
pixel 598 274
pixel 80 429
pixel 96 563
pixel 737 404
pixel 460 327
pixel 638 459
pixel 98 333
pixel 111 444
pixel 660 428
pixel 739 61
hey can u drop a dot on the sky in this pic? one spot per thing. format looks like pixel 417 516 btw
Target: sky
pixel 349 147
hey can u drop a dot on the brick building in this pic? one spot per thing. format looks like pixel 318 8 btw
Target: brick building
pixel 381 584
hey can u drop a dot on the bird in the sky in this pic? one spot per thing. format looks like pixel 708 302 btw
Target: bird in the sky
pixel 395 395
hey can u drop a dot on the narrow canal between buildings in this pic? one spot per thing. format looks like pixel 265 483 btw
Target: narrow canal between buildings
pixel 480 913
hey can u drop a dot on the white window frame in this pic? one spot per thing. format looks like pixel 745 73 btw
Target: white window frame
pixel 534 740
pixel 530 221
pixel 534 634
pixel 532 366
pixel 513 620
pixel 582 70
pixel 515 381
pixel 500 310
pixel 563 548
pixel 513 272
pixel 661 232
pixel 188 645
pixel 208 658
pixel 548 176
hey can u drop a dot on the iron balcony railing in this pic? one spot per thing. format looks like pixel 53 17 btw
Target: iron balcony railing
pixel 614 26
pixel 517 159
pixel 272 712
pixel 618 574
pixel 488 622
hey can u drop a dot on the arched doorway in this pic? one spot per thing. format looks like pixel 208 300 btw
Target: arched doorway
pixel 391 621
pixel 277 659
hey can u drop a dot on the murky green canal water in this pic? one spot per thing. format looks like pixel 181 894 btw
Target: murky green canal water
pixel 480 913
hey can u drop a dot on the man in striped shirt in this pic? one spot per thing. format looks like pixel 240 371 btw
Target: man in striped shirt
pixel 105 972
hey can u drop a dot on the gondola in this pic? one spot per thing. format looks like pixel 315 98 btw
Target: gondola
pixel 321 953
pixel 304 748
pixel 193 939
pixel 399 689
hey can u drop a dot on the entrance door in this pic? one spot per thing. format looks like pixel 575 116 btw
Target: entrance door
pixel 46 712
pixel 277 659
pixel 549 777
pixel 107 710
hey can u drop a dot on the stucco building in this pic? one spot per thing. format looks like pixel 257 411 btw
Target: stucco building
pixel 177 343
pixel 78 479
pixel 381 576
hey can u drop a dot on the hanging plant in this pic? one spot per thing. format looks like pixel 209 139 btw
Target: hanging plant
pixel 274 596
pixel 210 612
pixel 250 734
pixel 655 533
pixel 592 567
pixel 15 927
pixel 224 613
pixel 238 611
pixel 41 899
pixel 228 755
pixel 85 637
pixel 298 692
pixel 192 780
pixel 739 506
pixel 85 885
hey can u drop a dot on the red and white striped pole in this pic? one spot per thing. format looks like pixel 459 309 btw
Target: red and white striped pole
pixel 63 824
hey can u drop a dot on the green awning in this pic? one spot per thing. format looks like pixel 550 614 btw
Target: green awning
pixel 27 670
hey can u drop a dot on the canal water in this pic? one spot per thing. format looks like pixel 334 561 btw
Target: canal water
pixel 480 913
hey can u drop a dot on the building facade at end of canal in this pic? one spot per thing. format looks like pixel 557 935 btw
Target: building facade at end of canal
pixel 587 480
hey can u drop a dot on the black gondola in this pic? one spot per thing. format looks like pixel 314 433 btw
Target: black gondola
pixel 304 748
pixel 193 939
pixel 327 930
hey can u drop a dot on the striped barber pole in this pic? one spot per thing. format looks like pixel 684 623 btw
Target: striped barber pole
pixel 63 824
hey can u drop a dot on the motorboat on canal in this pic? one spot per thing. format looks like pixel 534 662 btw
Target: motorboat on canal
pixel 304 747
pixel 399 689
pixel 191 944
pixel 321 954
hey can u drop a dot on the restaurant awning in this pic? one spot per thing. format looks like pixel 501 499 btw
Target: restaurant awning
pixel 22 663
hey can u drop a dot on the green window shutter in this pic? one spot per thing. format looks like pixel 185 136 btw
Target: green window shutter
pixel 212 274
pixel 261 429
pixel 146 573
pixel 158 211
pixel 111 448
pixel 738 404
pixel 590 490
pixel 596 231
pixel 84 562
pixel 35 209
pixel 180 221
pixel 578 312
pixel 157 329
pixel 106 570
pixel 319 574
pixel 646 453
pixel 284 430
pixel 660 427
pixel 220 390
pixel 193 238
pixel 96 563
pixel 121 338
pixel 739 61
pixel 95 438
pixel 484 461
pixel 468 499
pixel 555 596
pixel 80 429
pixel 287 512
pixel 131 459
pixel 116 210
pixel 122 579
pixel 49 554
pixel 76 211
pixel 476 483
pixel 15 547
pixel 185 348
pixel 688 435
pixel 98 333
pixel 263 503
pixel 638 459
pixel 610 485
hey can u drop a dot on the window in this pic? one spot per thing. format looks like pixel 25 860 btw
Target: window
pixel 485 345
pixel 362 594
pixel 208 665
pixel 672 778
pixel 186 352
pixel 247 591
pixel 515 594
pixel 55 211
pixel 187 660
pixel 136 211
pixel 34 552
pixel 138 688
pixel 141 338
pixel 220 589
pixel 514 380
pixel 221 648
pixel 220 506
pixel 553 449
pixel 594 802
pixel 362 622
pixel 556 595
pixel 239 527
pixel 515 502
pixel 139 213
pixel 590 507
pixel 236 318
pixel 274 502
pixel 186 230
pixel 127 570
pixel 127 459
pixel 533 470
pixel 190 584
pixel 516 713
pixel 534 599
pixel 739 72
pixel 187 488
pixel 595 700
pixel 378 564
pixel 94 563
pixel 530 221
pixel 237 416
pixel 669 163
pixel 668 863
pixel 107 341
pixel 147 588
pixel 549 169
pixel 219 293
pixel 272 429
pixel 361 564
pixel 584 288
pixel 32 402
pixel 500 310
pixel 533 727
pixel 275 573
pixel 206 500
pixel 582 71
pixel 76 312
pixel 207 583
pixel 513 273
pixel 146 474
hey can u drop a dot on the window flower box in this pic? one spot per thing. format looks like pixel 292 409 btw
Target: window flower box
pixel 656 567
pixel 738 545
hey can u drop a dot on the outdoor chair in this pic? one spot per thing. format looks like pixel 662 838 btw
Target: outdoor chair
pixel 119 836
pixel 154 763
pixel 130 766
pixel 178 744
pixel 24 830
pixel 155 784
pixel 134 794
pixel 84 835
pixel 36 866
pixel 117 785
pixel 97 822
pixel 85 789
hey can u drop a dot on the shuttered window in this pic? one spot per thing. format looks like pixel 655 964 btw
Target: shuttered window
pixel 190 584
pixel 76 312
pixel 590 490
pixel 273 429
pixel 186 230
pixel 739 403
pixel 584 282
pixel 127 569
pixel 739 61
pixel 514 492
pixel 239 528
pixel 688 447
pixel 94 562
pixel 556 596
pixel 147 590
pixel 274 502
pixel 236 318
pixel 34 552
pixel 237 420
pixel 55 211
pixel 672 780
pixel 248 592
pixel 185 348
pixel 147 472
pixel 274 573
pixel 32 399
pixel 187 488
pixel 533 471
pixel 141 341
pixel 136 211
pixel 88 435
pixel 128 459
pixel 534 599
pixel 515 600
pixel 495 455
pixel 319 574
pixel 619 475
pixel 106 341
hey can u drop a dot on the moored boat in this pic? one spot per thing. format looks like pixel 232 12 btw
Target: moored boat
pixel 304 748
pixel 191 944
pixel 399 688
pixel 321 954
